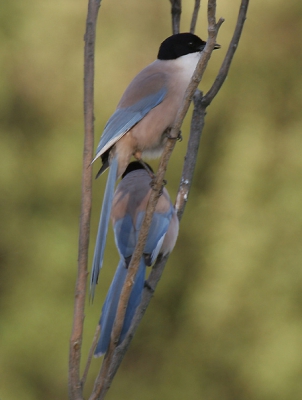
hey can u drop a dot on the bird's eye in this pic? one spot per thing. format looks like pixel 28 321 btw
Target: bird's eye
pixel 190 44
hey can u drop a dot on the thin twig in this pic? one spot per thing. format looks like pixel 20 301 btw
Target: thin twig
pixel 74 383
pixel 197 124
pixel 90 355
pixel 176 13
pixel 194 16
pixel 223 72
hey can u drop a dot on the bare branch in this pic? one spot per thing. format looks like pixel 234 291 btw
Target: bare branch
pixel 229 55
pixel 197 124
pixel 194 16
pixel 176 13
pixel 74 383
pixel 90 355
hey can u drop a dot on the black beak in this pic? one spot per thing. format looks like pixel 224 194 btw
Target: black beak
pixel 216 46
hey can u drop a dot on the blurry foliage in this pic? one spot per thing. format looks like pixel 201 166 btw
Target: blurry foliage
pixel 226 320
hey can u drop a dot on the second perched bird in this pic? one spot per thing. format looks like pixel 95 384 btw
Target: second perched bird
pixel 142 120
pixel 128 211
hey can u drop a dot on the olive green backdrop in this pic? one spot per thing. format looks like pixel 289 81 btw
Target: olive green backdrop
pixel 226 320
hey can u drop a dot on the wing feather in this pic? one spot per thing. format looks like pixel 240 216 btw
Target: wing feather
pixel 125 118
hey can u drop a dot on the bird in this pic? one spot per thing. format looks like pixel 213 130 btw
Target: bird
pixel 140 125
pixel 128 211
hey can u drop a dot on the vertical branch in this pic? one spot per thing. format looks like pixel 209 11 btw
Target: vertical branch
pixel 90 355
pixel 197 124
pixel 176 13
pixel 194 16
pixel 74 383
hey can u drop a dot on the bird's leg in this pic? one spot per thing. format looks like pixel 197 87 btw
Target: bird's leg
pixel 138 156
pixel 151 174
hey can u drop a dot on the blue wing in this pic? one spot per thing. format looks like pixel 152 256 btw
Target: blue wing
pixel 126 234
pixel 125 118
pixel 158 229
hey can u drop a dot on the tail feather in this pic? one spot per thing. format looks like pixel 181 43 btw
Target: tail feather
pixel 103 225
pixel 134 299
pixel 109 309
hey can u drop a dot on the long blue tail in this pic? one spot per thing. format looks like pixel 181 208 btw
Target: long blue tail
pixel 110 306
pixel 103 226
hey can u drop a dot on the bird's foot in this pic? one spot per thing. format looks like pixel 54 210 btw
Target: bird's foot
pixel 178 137
pixel 152 184
pixel 162 188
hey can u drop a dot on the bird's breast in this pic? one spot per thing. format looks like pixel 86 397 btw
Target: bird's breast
pixel 150 133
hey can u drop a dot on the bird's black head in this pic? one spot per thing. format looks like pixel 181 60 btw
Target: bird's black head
pixel 133 166
pixel 179 45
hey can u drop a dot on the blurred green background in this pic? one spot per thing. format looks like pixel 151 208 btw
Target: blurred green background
pixel 226 320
